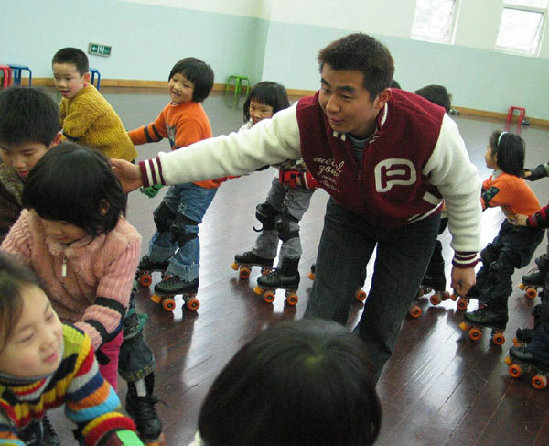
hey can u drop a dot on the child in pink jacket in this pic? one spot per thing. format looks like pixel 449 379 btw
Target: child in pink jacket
pixel 74 237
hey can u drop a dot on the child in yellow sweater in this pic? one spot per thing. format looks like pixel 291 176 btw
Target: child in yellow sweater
pixel 86 116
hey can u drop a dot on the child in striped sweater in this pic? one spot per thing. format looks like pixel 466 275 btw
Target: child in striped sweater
pixel 45 364
pixel 73 235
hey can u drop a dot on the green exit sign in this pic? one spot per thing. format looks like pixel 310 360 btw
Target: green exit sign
pixel 99 50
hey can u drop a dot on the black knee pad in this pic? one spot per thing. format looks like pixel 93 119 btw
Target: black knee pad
pixel 178 231
pixel 266 214
pixel 162 217
pixel 282 225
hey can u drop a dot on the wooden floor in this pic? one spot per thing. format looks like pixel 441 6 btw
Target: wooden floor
pixel 438 388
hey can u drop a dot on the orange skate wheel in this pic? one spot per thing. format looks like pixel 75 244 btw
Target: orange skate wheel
pixel 452 296
pixel 193 304
pixel 516 343
pixel 435 299
pixel 464 326
pixel 498 338
pixel 507 360
pixel 360 295
pixel 234 266
pixel 168 304
pixel 515 370
pixel 245 272
pixel 145 280
pixel 291 299
pixel 415 311
pixel 462 304
pixel 539 382
pixel 258 290
pixel 160 441
pixel 156 298
pixel 531 293
pixel 311 276
pixel 475 334
pixel 269 297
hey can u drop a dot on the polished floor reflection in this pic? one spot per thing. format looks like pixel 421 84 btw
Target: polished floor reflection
pixel 438 389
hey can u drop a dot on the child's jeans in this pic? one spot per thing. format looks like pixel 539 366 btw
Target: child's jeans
pixel 112 351
pixel 176 238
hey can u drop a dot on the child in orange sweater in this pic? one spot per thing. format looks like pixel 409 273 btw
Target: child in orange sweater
pixel 514 246
pixel 174 247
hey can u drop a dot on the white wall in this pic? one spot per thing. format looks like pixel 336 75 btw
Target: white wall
pixel 276 40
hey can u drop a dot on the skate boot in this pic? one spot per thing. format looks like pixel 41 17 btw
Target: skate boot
pixel 488 315
pixel 521 361
pixel 415 311
pixel 145 270
pixel 247 260
pixel 286 277
pixel 165 291
pixel 543 261
pixel 523 337
pixel 438 285
pixel 532 281
pixel 49 435
pixel 142 410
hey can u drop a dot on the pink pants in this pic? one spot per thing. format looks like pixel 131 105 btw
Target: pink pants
pixel 112 351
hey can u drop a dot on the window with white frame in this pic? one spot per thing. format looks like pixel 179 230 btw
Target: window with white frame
pixel 434 20
pixel 521 26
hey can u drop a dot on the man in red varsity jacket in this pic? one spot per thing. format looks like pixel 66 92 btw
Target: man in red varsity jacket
pixel 387 157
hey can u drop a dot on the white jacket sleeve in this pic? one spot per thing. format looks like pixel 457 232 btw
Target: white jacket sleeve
pixel 456 178
pixel 270 141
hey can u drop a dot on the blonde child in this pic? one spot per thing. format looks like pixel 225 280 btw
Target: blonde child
pixel 46 364
pixel 86 116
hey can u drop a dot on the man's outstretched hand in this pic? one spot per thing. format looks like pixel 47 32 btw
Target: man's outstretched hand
pixel 129 174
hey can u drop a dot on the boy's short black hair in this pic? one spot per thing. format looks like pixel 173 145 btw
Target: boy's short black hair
pixel 299 383
pixel 74 184
pixel 13 277
pixel 199 73
pixel 73 56
pixel 27 114
pixel 437 94
pixel 360 52
pixel 510 150
pixel 270 93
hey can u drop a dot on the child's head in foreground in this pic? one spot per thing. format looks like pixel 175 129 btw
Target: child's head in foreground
pixel 190 80
pixel 505 151
pixel 29 127
pixel 30 332
pixel 75 193
pixel 304 382
pixel 71 71
pixel 265 99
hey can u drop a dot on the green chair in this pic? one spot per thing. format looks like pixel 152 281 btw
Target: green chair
pixel 239 83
